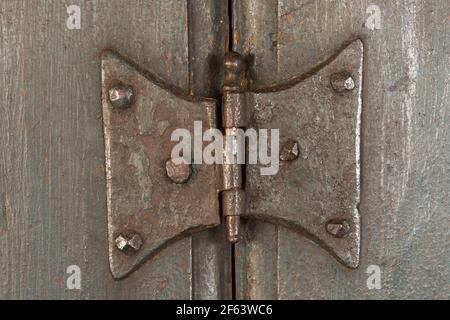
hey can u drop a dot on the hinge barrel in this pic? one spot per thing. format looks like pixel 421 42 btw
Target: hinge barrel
pixel 234 118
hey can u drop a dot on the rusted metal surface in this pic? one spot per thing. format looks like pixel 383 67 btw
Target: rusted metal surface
pixel 140 195
pixel 324 182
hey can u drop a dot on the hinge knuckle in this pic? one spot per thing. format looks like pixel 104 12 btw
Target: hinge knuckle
pixel 233 205
pixel 234 113
pixel 233 202
pixel 235 73
pixel 232 176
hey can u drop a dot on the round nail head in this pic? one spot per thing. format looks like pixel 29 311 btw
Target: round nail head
pixel 178 171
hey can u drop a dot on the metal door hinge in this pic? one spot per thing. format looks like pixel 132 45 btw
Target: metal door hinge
pixel 154 199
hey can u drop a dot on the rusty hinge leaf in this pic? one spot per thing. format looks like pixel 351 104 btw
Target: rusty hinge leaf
pixel 146 209
pixel 317 187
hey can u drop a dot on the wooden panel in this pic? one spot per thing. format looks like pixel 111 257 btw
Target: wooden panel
pixel 405 148
pixel 52 176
